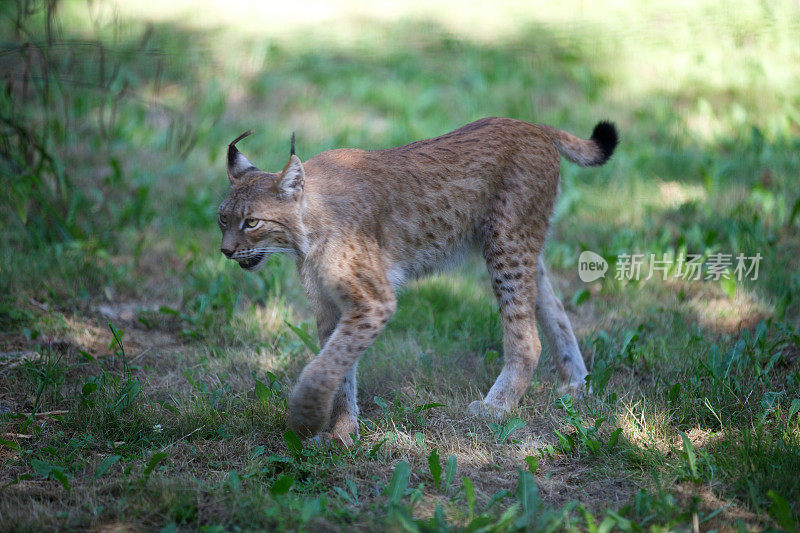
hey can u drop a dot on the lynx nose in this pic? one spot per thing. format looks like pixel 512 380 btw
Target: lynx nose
pixel 228 253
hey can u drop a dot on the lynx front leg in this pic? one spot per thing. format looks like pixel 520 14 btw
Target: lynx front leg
pixel 558 332
pixel 344 415
pixel 367 307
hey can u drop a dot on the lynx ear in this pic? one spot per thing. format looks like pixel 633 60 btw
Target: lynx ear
pixel 292 179
pixel 238 164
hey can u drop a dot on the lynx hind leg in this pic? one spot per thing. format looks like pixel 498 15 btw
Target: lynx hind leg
pixel 558 334
pixel 512 267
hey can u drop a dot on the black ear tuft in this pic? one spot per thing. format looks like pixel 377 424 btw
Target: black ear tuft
pixel 232 151
pixel 291 152
pixel 240 137
pixel 606 137
pixel 238 164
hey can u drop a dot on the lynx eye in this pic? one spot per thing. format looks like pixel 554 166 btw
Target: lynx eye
pixel 250 222
pixel 223 220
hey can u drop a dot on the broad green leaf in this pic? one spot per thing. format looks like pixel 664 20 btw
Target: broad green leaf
pixel 436 468
pixel 674 392
pixel 528 495
pixel 105 465
pixel 294 444
pixel 795 212
pixel 353 489
pixel 533 464
pixel 564 442
pixel 509 428
pixel 425 407
pixel 794 408
pixel 130 391
pixel 450 472
pixel 782 512
pixel 496 498
pixel 347 497
pixel 13 445
pixel 479 523
pixel 263 394
pixel 506 518
pixel 282 485
pixel 614 438
pixel 469 493
pixel 580 296
pixel 311 508
pixel 606 525
pixel 381 403
pixel 234 481
pixel 15 481
pixel 729 286
pixel 690 455
pixel 61 477
pixel 399 482
pixel 374 450
pixel 401 516
pixel 153 463
pixel 41 468
pixel 168 311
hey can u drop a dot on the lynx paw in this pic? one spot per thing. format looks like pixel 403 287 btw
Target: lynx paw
pixel 576 388
pixel 486 410
pixel 306 418
pixel 340 433
pixel 343 428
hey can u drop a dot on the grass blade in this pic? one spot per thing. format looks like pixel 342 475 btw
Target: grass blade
pixel 305 337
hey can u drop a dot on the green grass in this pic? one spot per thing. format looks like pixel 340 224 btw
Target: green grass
pixel 114 127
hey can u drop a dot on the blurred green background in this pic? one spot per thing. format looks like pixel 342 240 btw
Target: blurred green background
pixel 114 120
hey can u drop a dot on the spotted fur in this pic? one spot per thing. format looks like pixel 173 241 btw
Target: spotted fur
pixel 361 223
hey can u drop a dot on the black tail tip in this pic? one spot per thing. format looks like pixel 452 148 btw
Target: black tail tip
pixel 606 137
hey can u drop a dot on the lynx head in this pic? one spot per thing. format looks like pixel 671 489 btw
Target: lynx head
pixel 262 213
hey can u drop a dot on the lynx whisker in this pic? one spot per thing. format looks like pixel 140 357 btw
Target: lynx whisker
pixel 276 249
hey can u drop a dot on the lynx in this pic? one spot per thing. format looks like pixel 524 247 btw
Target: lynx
pixel 361 223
